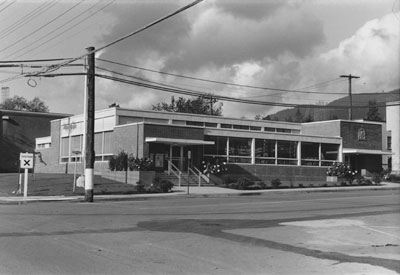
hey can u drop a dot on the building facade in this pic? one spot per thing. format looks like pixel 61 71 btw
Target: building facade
pixel 259 149
pixel 393 142
pixel 19 129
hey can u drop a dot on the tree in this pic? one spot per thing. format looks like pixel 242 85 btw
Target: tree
pixel 19 103
pixel 205 105
pixel 298 117
pixel 373 112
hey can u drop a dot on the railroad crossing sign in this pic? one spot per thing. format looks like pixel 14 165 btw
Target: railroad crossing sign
pixel 26 160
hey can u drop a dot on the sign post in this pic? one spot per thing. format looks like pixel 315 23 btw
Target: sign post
pixel 26 162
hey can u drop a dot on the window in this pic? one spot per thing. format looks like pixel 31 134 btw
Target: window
pixel 65 147
pixel 76 144
pixel 269 129
pixel 241 127
pixel 389 143
pixel 310 154
pixel 329 153
pixel 255 128
pixel 287 152
pixel 211 125
pixel 226 126
pixel 239 146
pixel 265 151
pixel 282 130
pixel 239 150
pixel 195 123
pixel 98 143
pixel 219 147
pixel 107 143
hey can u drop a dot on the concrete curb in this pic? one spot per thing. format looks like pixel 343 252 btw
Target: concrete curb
pixel 204 192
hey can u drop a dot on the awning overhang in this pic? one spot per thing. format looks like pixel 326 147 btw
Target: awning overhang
pixel 178 141
pixel 365 152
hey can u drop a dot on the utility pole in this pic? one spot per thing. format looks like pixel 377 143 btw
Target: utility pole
pixel 212 102
pixel 350 95
pixel 89 150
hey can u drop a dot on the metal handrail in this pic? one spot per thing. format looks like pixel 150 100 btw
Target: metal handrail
pixel 177 173
pixel 190 170
pixel 202 176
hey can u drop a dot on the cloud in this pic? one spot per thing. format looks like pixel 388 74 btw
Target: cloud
pixel 256 45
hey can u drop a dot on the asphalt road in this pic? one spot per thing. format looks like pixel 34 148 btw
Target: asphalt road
pixel 281 233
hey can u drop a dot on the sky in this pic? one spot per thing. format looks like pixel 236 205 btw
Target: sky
pixel 300 46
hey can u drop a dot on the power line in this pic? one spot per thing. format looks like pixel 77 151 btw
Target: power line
pixel 43 26
pixel 224 98
pixel 64 31
pixel 167 85
pixel 27 18
pixel 8 5
pixel 56 67
pixel 215 81
pixel 34 60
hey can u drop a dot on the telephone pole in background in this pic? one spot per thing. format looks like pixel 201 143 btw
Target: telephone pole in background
pixel 350 95
pixel 89 150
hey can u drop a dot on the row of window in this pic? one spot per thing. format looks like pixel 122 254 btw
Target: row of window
pixel 268 151
pixel 240 127
pixel 71 147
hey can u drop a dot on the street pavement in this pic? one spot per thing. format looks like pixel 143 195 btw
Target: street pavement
pixel 205 191
pixel 278 232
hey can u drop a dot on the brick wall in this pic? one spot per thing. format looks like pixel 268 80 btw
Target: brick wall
pixel 373 135
pixel 285 173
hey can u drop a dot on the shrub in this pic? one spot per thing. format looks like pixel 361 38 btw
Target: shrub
pixel 377 178
pixel 215 166
pixel 244 183
pixel 276 183
pixel 341 170
pixel 161 186
pixel 123 162
pixel 140 187
pixel 227 179
pixel 119 162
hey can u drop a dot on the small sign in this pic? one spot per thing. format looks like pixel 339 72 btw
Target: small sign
pixel 26 160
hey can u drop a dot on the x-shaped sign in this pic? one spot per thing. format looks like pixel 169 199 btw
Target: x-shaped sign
pixel 27 162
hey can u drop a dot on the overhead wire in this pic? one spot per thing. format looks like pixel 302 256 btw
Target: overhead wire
pixel 43 26
pixel 3 9
pixel 219 97
pixel 56 67
pixel 213 81
pixel 64 31
pixel 27 18
pixel 166 85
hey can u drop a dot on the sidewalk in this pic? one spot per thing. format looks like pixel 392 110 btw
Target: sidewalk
pixel 195 191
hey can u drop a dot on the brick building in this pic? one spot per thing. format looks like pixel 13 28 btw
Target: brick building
pixel 258 148
pixel 18 132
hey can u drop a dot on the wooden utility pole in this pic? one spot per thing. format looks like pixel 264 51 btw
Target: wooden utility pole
pixel 350 95
pixel 90 155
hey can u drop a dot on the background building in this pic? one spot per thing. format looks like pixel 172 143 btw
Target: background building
pixel 19 129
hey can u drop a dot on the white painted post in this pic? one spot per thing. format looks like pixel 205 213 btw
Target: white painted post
pixel 26 183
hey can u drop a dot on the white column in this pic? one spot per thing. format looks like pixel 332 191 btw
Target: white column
pixel 253 151
pixel 299 153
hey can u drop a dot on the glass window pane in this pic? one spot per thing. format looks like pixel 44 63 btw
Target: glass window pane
pixel 64 146
pixel 107 143
pixel 98 143
pixel 309 150
pixel 239 146
pixel 287 149
pixel 219 147
pixel 265 148
pixel 329 151
pixel 76 144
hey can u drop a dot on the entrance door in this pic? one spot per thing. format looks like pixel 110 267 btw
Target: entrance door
pixel 177 157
